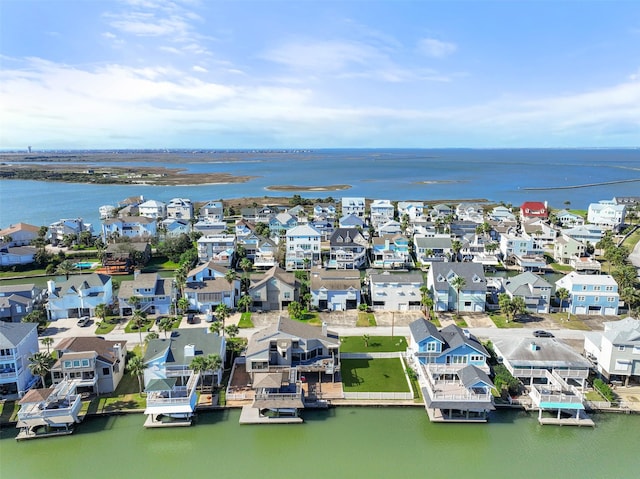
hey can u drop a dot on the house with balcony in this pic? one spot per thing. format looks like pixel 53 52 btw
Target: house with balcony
pixel 210 228
pixel 347 249
pixel 567 219
pixel 281 223
pixel 56 409
pixel 169 381
pixel 207 287
pixel 265 253
pixel 155 294
pixel 441 280
pixel 607 214
pixel 430 249
pixel 180 208
pixel 591 293
pixel 302 247
pixel 134 227
pixel 277 358
pixel 20 234
pixel 440 211
pixel 381 212
pixel 212 211
pixel 413 209
pixel 153 209
pixel 259 214
pixel 274 290
pixel 217 248
pixel 615 352
pixel 18 342
pixel 391 252
pixel 173 227
pixel 95 364
pixel 122 258
pixel 335 290
pixel 17 300
pixel 566 248
pixel 534 289
pixel 78 296
pixel 65 227
pixel 542 233
pixel 502 213
pixel 351 221
pixel 585 233
pixel 325 211
pixel 534 209
pixel 470 212
pixel 585 264
pixel 453 372
pixel 353 206
pixel 395 292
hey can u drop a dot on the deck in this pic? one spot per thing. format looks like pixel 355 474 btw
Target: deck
pixel 251 415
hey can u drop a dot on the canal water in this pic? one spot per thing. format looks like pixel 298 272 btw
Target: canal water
pixel 338 443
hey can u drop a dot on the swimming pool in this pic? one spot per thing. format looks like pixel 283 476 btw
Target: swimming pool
pixel 83 265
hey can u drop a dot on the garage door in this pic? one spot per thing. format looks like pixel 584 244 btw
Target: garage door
pixel 609 311
pixel 581 310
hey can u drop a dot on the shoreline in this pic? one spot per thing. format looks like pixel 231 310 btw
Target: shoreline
pixel 307 188
pixel 573 187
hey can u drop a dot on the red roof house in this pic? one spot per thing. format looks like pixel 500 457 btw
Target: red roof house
pixel 534 209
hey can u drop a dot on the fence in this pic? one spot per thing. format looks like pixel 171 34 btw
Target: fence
pixel 379 395
pixel 397 354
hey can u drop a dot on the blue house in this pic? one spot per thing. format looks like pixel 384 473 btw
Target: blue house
pixel 472 295
pixel 591 293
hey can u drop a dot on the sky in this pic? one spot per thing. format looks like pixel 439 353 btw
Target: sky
pixel 271 74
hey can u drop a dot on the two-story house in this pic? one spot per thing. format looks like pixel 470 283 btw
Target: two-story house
pixel 79 295
pixel 207 286
pixel 534 209
pixel 274 290
pixel 335 290
pixel 381 212
pixel 591 293
pixel 217 248
pixel 347 249
pixel 17 300
pixel 567 219
pixel 585 233
pixel 395 292
pixel 353 206
pixel 281 223
pixel 154 294
pixel 302 247
pixel 324 211
pixel 18 342
pixel 67 226
pixel 431 249
pixel 566 248
pixel 180 208
pixel 534 289
pixel 20 234
pixel 154 209
pixel 469 296
pixel 139 227
pixel 413 209
pixel 212 211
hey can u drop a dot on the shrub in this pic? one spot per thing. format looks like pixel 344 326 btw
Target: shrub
pixel 504 378
pixel 604 389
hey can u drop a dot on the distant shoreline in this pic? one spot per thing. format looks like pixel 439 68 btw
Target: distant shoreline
pixel 586 185
pixel 307 188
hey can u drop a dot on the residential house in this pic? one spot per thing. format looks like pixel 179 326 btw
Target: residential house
pixel 440 211
pixel 568 219
pixel 324 211
pixel 431 249
pixel 566 248
pixel 175 227
pixel 534 289
pixel 353 206
pixel 591 293
pixel 217 248
pixel 265 253
pixel 585 264
pixel 460 228
pixel 452 370
pixel 95 364
pixel 615 351
pixel 281 223
pixel 347 249
pixel 130 210
pixel 17 300
pixel 351 221
pixel 66 227
pixel 395 292
pixel 512 244
pixel 472 295
pixel 20 234
pixel 212 211
pixel 470 212
pixel 131 201
pixel 155 294
pixel 18 342
pixel 122 258
pixel 299 213
pixel 381 211
pixel 169 381
pixel 534 209
pixel 274 290
pixel 413 209
pixel 335 290
pixel 180 208
pixel 390 228
pixel 134 227
pixel 207 286
pixel 607 213
pixel 585 233
pixel 154 209
pixel 11 256
pixel 261 214
pixel 210 227
pixel 325 227
pixel 627 200
pixel 391 252
pixel 540 231
pixel 78 296
pixel 57 407
pixel 502 213
pixel 302 247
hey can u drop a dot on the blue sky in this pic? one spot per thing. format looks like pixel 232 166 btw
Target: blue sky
pixel 307 74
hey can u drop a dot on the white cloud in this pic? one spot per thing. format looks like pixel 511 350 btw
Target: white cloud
pixel 199 69
pixel 322 56
pixel 436 48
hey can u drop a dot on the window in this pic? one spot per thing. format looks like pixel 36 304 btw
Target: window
pixel 596 288
pixel 67 364
pixel 458 360
pixel 636 350
pixel 76 363
pixel 580 298
pixel 476 358
pixel 432 347
pixel 287 295
pixel 105 371
pixel 85 363
pixel 596 299
pixel 611 299
pixel 608 288
pixel 622 364
pixel 621 347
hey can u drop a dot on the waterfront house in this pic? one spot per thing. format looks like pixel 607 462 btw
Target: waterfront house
pixel 17 300
pixel 351 221
pixel 470 212
pixel 391 252
pixel 78 296
pixel 95 364
pixel 472 296
pixel 131 201
pixel 534 209
pixel 121 258
pixel 381 211
pixel 180 208
pixel 566 248
pixel 134 227
pixel 512 244
pixel 175 227
pixel 533 289
pixel 302 247
pixel 11 256
pixel 585 233
pixel 413 209
pixel 169 381
pixel 347 249
pixel 441 211
pixel 585 264
pixel 18 342
pixel 265 253
pixel 431 249
pixel 502 213
pixel 274 290
pixel 335 290
pixel 299 213
pixel 260 214
pixel 395 292
pixel 67 227
pixel 607 213
pixel 153 209
pixel 217 248
pixel 591 293
pixel 20 234
pixel 212 211
pixel 325 227
pixel 155 294
pixel 567 219
pixel 615 352
pixel 207 287
pixel 324 211
pixel 353 206
pixel 452 370
pixel 540 231
pixel 281 223
pixel 627 200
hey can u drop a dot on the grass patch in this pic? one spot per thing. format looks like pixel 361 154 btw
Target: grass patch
pixel 159 263
pixel 632 240
pixel 126 396
pixel 594 396
pixel 460 322
pixel 105 327
pixel 365 320
pixel 415 385
pixel 501 321
pixel 245 321
pixel 9 411
pixel 574 323
pixel 377 344
pixel 309 318
pixel 373 375
pixel 131 327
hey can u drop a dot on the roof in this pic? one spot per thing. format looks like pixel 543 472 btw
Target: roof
pixel 335 280
pixel 12 333
pixel 396 278
pixel 160 286
pixel 104 348
pixel 470 375
pixel 166 384
pixel 277 273
pixel 347 237
pixel 17 288
pixel 12 229
pixel 173 347
pixel 268 380
pixel 549 353
pixel 83 281
pixel 303 230
pixel 515 284
pixel 422 329
pixel 625 331
pixel 36 395
pixel 440 271
pixel 214 285
pixel 429 242
pixel 587 279
pixel 456 337
pixel 209 265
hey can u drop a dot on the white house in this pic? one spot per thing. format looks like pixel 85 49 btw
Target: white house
pixel 441 281
pixel 180 208
pixel 395 292
pixel 18 341
pixel 606 213
pixel 68 226
pixel 591 293
pixel 153 209
pixel 20 234
pixel 139 227
pixel 302 247
pixel 79 295
pixel 382 211
pixel 413 209
pixel 353 206
pixel 218 248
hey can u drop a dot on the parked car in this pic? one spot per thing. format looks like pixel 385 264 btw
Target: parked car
pixel 191 318
pixel 210 318
pixel 542 334
pixel 83 321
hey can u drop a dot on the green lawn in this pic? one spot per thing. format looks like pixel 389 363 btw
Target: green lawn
pixel 245 321
pixel 126 396
pixel 160 263
pixel 310 318
pixel 373 375
pixel 460 322
pixel 130 327
pixel 105 327
pixel 501 321
pixel 365 320
pixel 9 410
pixel 377 344
pixel 574 323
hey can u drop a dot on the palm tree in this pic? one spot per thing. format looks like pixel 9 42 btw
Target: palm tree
pixel 216 327
pixel 47 341
pixel 222 313
pixel 365 338
pixel 518 306
pixel 165 325
pixel 203 364
pixel 504 301
pixel 66 267
pixel 183 304
pixel 134 302
pixel 246 265
pixel 245 302
pixel 562 294
pixel 456 246
pixel 181 278
pixel 101 311
pixel 139 320
pixel 40 365
pixel 232 330
pixel 458 283
pixel 150 336
pixel 426 299
pixel 136 367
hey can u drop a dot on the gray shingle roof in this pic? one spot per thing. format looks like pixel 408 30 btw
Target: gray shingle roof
pixel 470 375
pixel 549 352
pixel 455 337
pixel 519 284
pixel 12 333
pixel 468 271
pixel 421 329
pixel 205 343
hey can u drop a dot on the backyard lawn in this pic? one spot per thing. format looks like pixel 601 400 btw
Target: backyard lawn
pixel 376 344
pixel 126 396
pixel 245 321
pixel 373 375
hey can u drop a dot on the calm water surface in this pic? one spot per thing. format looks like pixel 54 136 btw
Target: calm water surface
pixel 339 443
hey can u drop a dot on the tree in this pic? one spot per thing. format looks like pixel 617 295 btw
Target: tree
pixel 139 320
pixel 518 306
pixel 183 304
pixel 562 294
pixel 66 268
pixel 295 310
pixel 40 365
pixel 246 265
pixel 150 337
pixel 222 313
pixel 232 331
pixel 203 364
pixel 165 325
pixel 245 302
pixel 216 327
pixel 458 283
pixel 230 276
pixel 47 341
pixel 262 229
pixel 456 246
pixel 180 277
pixel 626 276
pixel 631 297
pixel 136 367
pixel 101 311
pixel 134 302
pixel 426 300
pixel 307 297
pixel 35 316
pixel 365 338
pixel 504 301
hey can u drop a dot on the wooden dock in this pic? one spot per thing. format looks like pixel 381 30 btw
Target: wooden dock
pixel 567 421
pixel 251 415
pixel 150 423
